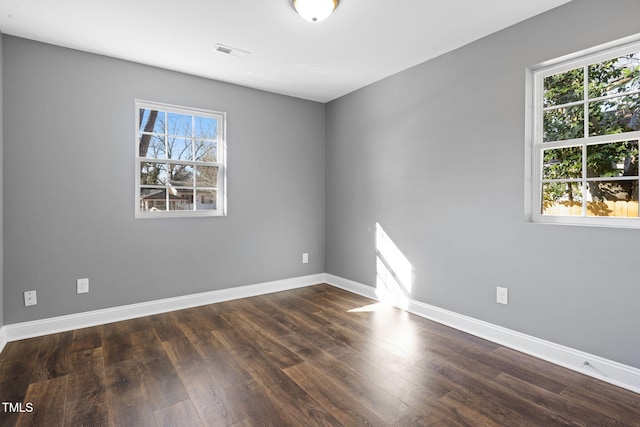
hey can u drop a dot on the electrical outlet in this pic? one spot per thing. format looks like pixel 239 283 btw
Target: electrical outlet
pixel 82 286
pixel 502 295
pixel 305 258
pixel 30 298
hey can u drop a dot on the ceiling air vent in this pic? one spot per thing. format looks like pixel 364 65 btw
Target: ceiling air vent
pixel 231 50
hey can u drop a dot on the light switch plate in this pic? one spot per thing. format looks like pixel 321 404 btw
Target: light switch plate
pixel 502 295
pixel 82 286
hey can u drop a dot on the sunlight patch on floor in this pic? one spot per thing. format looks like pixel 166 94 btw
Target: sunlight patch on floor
pixel 369 308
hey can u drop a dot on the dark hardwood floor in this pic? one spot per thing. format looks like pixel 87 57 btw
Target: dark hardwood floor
pixel 306 357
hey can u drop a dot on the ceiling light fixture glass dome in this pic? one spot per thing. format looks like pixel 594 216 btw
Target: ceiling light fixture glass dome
pixel 314 10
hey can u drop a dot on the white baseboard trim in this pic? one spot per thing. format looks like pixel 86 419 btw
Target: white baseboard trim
pixel 603 369
pixel 597 367
pixel 3 338
pixel 18 331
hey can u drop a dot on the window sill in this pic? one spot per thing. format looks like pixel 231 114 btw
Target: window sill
pixel 178 214
pixel 602 222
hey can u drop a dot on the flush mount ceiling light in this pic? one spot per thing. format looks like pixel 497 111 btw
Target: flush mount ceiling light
pixel 314 10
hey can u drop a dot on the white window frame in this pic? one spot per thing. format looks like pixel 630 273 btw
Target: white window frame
pixel 221 189
pixel 534 144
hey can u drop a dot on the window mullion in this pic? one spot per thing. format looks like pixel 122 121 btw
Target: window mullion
pixel 616 95
pixel 568 104
pixel 193 157
pixel 597 99
pixel 165 129
pixel 584 180
pixel 585 98
pixel 612 178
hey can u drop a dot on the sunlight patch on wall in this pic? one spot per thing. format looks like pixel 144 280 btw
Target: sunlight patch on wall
pixel 394 272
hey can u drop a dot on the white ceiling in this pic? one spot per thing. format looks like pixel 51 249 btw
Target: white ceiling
pixel 362 42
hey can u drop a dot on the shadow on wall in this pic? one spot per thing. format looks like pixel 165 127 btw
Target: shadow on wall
pixel 394 273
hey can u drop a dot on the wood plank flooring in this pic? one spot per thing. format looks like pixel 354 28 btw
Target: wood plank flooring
pixel 306 357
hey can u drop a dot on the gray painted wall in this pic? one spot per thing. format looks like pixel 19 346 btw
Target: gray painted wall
pixel 69 193
pixel 1 198
pixel 435 155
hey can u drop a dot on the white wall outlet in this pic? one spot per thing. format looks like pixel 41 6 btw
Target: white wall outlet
pixel 305 258
pixel 502 295
pixel 30 298
pixel 82 286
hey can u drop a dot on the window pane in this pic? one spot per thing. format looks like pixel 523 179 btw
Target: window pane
pixel 206 128
pixel 563 123
pixel 562 198
pixel 206 176
pixel 179 160
pixel 614 115
pixel 181 175
pixel 153 173
pixel 562 163
pixel 180 200
pixel 623 190
pixel 206 151
pixel 613 198
pixel 206 200
pixel 179 149
pixel 152 146
pixel 564 88
pixel 615 159
pixel 617 75
pixel 179 124
pixel 151 121
pixel 153 199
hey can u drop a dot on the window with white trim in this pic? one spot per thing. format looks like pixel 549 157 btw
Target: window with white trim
pixel 585 135
pixel 180 161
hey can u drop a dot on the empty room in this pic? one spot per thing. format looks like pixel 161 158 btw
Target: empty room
pixel 319 212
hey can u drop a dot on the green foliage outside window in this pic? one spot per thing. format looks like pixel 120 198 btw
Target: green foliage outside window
pixel 612 106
